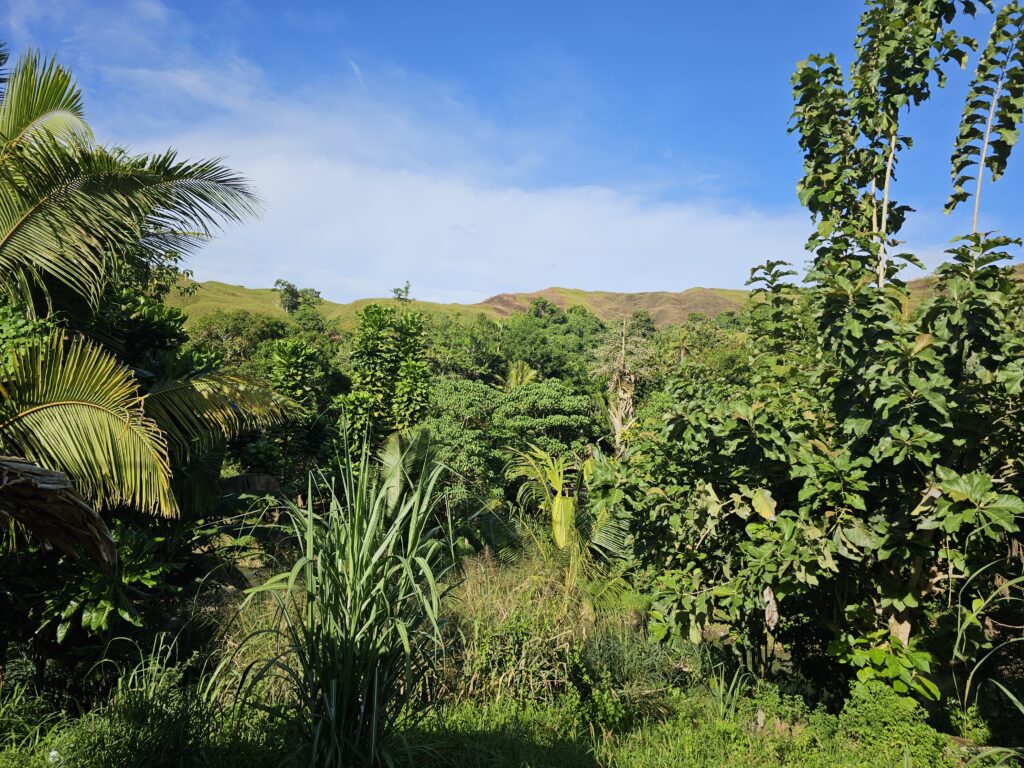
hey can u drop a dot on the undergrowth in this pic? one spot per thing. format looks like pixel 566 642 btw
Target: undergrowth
pixel 534 676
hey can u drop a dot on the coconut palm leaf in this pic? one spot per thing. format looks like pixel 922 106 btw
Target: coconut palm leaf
pixel 606 532
pixel 545 484
pixel 67 209
pixel 198 411
pixel 541 476
pixel 62 211
pixel 187 201
pixel 41 97
pixel 519 374
pixel 71 407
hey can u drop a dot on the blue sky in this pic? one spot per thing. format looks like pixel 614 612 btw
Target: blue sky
pixel 480 147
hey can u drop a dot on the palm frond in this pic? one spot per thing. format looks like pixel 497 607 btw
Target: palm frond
pixel 401 458
pixel 71 407
pixel 63 210
pixel 545 483
pixel 67 209
pixel 189 200
pixel 4 56
pixel 606 531
pixel 541 474
pixel 519 374
pixel 41 97
pixel 198 411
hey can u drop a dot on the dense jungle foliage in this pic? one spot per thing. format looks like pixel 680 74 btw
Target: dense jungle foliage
pixel 789 535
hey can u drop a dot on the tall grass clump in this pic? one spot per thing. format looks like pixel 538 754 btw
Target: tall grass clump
pixel 24 719
pixel 359 610
pixel 162 712
pixel 516 636
pixel 992 713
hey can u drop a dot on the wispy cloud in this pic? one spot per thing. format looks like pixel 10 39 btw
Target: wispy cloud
pixel 358 72
pixel 385 175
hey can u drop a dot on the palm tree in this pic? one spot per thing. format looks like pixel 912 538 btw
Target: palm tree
pixel 545 486
pixel 69 211
pixel 69 207
pixel 583 534
pixel 519 374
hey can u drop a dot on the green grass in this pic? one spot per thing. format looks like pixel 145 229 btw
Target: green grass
pixel 166 728
pixel 533 677
pixel 767 730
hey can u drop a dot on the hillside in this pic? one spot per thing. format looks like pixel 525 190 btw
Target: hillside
pixel 666 307
pixel 212 295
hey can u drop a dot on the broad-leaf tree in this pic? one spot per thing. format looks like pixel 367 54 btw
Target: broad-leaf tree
pixel 862 480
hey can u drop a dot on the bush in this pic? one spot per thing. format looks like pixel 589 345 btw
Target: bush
pixel 879 719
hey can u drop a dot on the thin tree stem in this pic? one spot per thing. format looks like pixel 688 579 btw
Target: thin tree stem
pixel 984 150
pixel 874 207
pixel 880 270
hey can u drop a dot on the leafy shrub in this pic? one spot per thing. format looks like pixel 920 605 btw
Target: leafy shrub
pixel 969 723
pixel 869 459
pixel 878 718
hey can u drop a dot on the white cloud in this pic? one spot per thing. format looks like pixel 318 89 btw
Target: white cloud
pixel 383 176
pixel 356 230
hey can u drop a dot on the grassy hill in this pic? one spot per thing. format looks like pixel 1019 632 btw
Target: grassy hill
pixel 211 296
pixel 666 307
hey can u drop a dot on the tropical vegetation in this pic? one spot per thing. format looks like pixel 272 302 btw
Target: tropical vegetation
pixel 786 534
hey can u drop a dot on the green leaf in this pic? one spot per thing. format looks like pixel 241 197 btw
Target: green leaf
pixel 861 536
pixel 763 503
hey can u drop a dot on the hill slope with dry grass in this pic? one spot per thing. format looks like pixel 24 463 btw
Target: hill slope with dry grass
pixel 665 307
